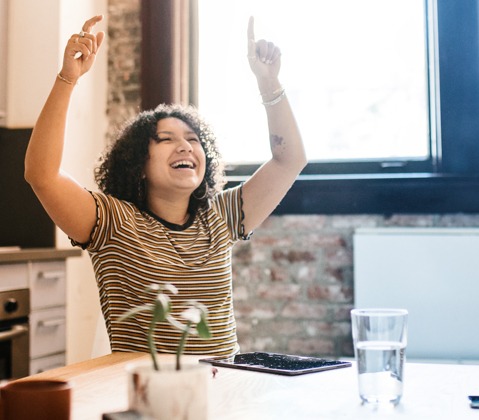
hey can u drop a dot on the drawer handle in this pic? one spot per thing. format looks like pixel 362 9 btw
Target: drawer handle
pixel 51 323
pixel 16 331
pixel 51 275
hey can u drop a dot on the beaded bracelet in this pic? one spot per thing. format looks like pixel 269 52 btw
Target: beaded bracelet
pixel 59 75
pixel 275 100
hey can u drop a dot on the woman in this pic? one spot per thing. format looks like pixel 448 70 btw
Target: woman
pixel 160 215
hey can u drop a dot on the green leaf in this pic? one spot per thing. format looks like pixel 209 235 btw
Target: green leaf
pixel 203 329
pixel 162 308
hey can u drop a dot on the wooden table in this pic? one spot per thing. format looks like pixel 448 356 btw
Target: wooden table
pixel 431 391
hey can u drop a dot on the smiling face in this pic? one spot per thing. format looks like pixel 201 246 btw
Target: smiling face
pixel 176 160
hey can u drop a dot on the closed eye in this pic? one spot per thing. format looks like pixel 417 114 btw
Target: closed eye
pixel 159 139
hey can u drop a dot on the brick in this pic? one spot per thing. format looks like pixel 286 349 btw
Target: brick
pixel 280 327
pixel 263 343
pixel 273 241
pixel 342 312
pixel 306 273
pixel 280 274
pixel 327 329
pixel 293 256
pixel 338 257
pixel 311 346
pixel 278 291
pixel 303 223
pixel 322 240
pixel 242 252
pixel 330 293
pixel 303 310
pixel 258 310
pixel 240 293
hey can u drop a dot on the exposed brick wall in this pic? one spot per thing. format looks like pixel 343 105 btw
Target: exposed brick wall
pixel 293 281
pixel 124 38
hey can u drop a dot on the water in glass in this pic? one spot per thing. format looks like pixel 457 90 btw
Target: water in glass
pixel 380 368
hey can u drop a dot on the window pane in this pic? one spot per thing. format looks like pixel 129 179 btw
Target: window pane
pixel 355 72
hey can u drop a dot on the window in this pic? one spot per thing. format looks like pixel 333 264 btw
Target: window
pixel 438 170
pixel 356 73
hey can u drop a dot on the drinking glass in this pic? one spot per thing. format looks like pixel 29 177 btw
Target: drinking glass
pixel 380 339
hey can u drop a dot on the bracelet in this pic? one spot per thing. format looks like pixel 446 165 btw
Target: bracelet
pixel 275 92
pixel 59 75
pixel 275 100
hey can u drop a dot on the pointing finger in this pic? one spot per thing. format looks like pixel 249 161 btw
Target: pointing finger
pixel 251 28
pixel 251 40
pixel 90 23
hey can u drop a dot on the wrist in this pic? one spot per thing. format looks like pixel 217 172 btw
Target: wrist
pixel 66 80
pixel 269 88
pixel 276 97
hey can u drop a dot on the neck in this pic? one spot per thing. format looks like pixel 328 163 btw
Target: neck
pixel 172 211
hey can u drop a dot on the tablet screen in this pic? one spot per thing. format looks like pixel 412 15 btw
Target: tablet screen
pixel 283 364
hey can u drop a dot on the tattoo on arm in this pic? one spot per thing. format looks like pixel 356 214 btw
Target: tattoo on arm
pixel 276 141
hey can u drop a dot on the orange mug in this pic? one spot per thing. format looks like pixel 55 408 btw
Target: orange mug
pixel 36 399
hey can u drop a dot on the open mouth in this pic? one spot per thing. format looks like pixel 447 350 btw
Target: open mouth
pixel 183 164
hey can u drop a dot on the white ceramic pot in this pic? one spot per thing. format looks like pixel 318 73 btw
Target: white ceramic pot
pixel 169 394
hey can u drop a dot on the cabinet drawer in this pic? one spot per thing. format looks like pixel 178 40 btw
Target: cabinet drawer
pixel 13 276
pixel 47 332
pixel 48 284
pixel 46 363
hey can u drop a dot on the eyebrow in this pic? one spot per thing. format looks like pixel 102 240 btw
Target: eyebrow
pixel 171 132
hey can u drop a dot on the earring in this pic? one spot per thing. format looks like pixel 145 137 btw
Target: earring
pixel 204 186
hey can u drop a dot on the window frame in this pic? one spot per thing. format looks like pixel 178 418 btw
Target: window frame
pixel 452 183
pixel 452 174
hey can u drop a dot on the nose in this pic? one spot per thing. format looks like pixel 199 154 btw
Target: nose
pixel 184 146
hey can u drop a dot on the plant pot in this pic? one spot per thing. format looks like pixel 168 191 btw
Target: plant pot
pixel 169 394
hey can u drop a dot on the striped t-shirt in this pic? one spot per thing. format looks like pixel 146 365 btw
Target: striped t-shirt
pixel 131 250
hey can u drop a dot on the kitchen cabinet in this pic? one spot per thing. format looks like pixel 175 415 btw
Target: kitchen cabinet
pixel 29 36
pixel 48 314
pixel 43 272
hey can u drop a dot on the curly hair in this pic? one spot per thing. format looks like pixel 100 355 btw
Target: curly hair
pixel 120 169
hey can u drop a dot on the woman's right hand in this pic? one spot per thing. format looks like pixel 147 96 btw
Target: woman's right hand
pixel 81 50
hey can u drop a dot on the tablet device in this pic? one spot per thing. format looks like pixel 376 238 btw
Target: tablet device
pixel 281 364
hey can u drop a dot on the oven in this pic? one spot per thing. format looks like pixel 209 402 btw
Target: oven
pixel 14 333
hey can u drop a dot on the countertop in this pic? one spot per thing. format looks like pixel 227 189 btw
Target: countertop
pixel 431 391
pixel 36 254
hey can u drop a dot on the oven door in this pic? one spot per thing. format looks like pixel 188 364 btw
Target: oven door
pixel 14 350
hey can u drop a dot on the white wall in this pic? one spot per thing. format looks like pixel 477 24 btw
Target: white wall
pixel 87 125
pixel 431 272
pixel 38 32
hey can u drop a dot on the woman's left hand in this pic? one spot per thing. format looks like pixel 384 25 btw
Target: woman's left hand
pixel 264 57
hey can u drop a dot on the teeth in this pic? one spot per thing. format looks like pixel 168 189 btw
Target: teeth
pixel 182 163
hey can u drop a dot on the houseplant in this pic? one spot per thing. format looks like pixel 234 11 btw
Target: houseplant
pixel 176 391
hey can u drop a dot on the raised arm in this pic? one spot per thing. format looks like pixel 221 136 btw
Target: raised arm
pixel 268 185
pixel 69 205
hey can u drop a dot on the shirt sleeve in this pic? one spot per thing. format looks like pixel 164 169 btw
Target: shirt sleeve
pixel 229 204
pixel 105 217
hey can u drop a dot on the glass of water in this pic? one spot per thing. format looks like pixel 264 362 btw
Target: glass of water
pixel 380 339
